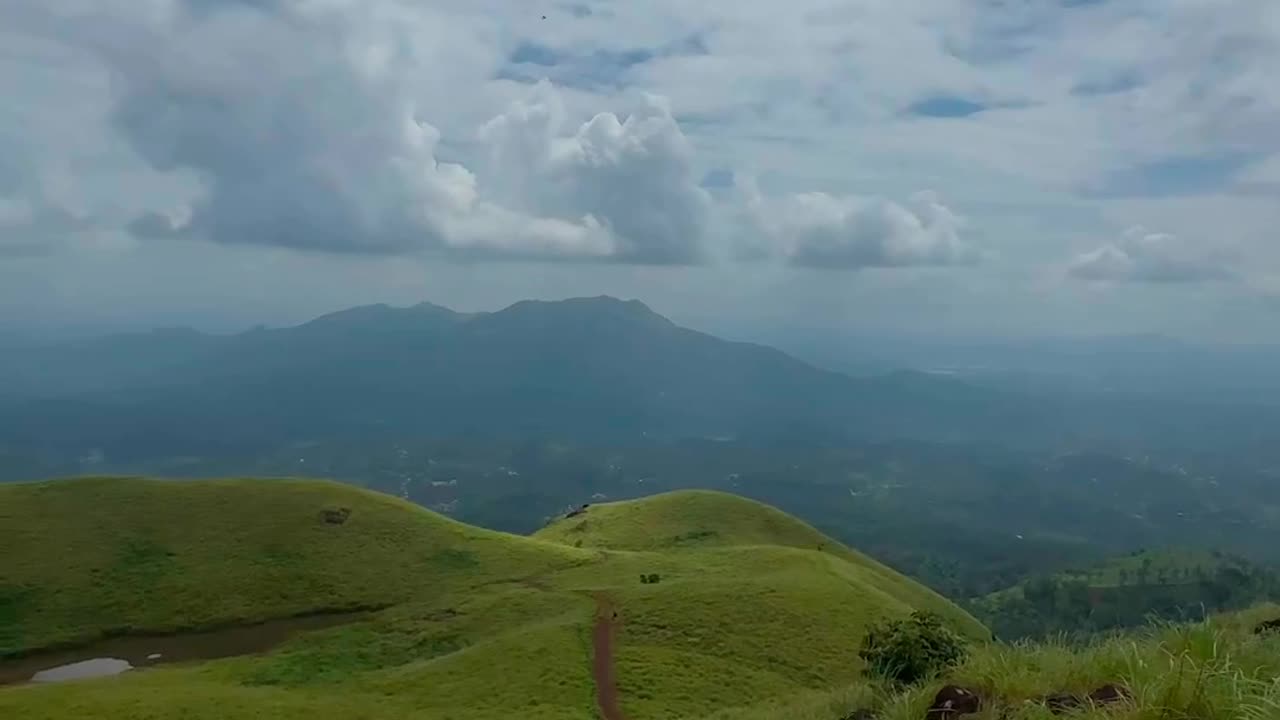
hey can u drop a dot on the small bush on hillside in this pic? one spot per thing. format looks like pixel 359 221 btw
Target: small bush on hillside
pixel 650 579
pixel 911 650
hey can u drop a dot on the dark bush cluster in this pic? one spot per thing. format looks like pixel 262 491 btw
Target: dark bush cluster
pixel 650 578
pixel 907 651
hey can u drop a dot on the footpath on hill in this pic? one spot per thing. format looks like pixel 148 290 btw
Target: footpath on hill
pixel 603 635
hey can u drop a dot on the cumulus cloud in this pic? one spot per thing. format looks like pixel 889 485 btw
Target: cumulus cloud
pixel 303 126
pixel 296 128
pixel 820 230
pixel 633 177
pixel 1142 256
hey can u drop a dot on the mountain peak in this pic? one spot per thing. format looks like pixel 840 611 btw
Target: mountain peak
pixel 431 307
pixel 382 317
pixel 359 312
pixel 599 306
pixel 583 301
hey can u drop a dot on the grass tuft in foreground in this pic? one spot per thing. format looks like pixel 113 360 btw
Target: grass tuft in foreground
pixel 1213 670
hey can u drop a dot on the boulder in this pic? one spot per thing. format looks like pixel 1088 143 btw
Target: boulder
pixel 335 515
pixel 1110 694
pixel 951 702
pixel 1062 702
pixel 1267 626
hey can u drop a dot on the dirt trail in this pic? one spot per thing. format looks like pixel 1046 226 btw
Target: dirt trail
pixel 603 635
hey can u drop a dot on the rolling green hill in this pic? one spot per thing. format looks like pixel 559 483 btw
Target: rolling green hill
pixel 683 519
pixel 700 520
pixel 473 624
pixel 89 557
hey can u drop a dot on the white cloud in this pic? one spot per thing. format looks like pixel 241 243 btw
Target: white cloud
pixel 1142 256
pixel 632 177
pixel 350 127
pixel 819 230
pixel 304 128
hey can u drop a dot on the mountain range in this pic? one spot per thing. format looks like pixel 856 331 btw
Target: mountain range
pixel 588 368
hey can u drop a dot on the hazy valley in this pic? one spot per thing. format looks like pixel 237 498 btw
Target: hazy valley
pixel 608 454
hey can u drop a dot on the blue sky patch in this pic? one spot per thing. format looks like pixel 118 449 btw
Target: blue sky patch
pixel 598 69
pixel 535 54
pixel 1115 83
pixel 945 106
pixel 1177 175
pixel 718 178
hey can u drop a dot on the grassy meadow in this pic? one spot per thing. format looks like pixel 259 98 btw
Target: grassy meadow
pixel 751 605
pixel 91 557
pixel 755 615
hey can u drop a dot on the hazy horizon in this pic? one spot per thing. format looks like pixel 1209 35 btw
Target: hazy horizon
pixel 214 323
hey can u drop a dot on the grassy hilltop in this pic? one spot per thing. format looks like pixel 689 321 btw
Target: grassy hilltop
pixel 751 606
pixel 716 524
pixel 755 615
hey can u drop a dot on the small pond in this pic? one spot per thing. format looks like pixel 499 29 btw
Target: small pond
pixel 117 655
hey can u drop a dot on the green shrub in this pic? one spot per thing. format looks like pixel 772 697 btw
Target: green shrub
pixel 911 650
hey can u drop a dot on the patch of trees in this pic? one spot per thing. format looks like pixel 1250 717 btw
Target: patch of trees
pixel 1056 604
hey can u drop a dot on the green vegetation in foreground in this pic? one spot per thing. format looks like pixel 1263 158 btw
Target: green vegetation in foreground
pixel 752 606
pixel 1217 669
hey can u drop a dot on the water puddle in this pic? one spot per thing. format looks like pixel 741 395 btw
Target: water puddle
pixel 118 655
pixel 94 667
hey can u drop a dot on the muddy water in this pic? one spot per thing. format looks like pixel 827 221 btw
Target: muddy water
pixel 117 655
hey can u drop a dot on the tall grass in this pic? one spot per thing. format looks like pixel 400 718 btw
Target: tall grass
pixel 1216 669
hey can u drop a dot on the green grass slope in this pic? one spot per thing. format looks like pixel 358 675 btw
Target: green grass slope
pixel 88 557
pixel 476 624
pixel 687 521
pixel 681 520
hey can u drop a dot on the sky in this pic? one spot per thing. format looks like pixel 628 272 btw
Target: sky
pixel 993 167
